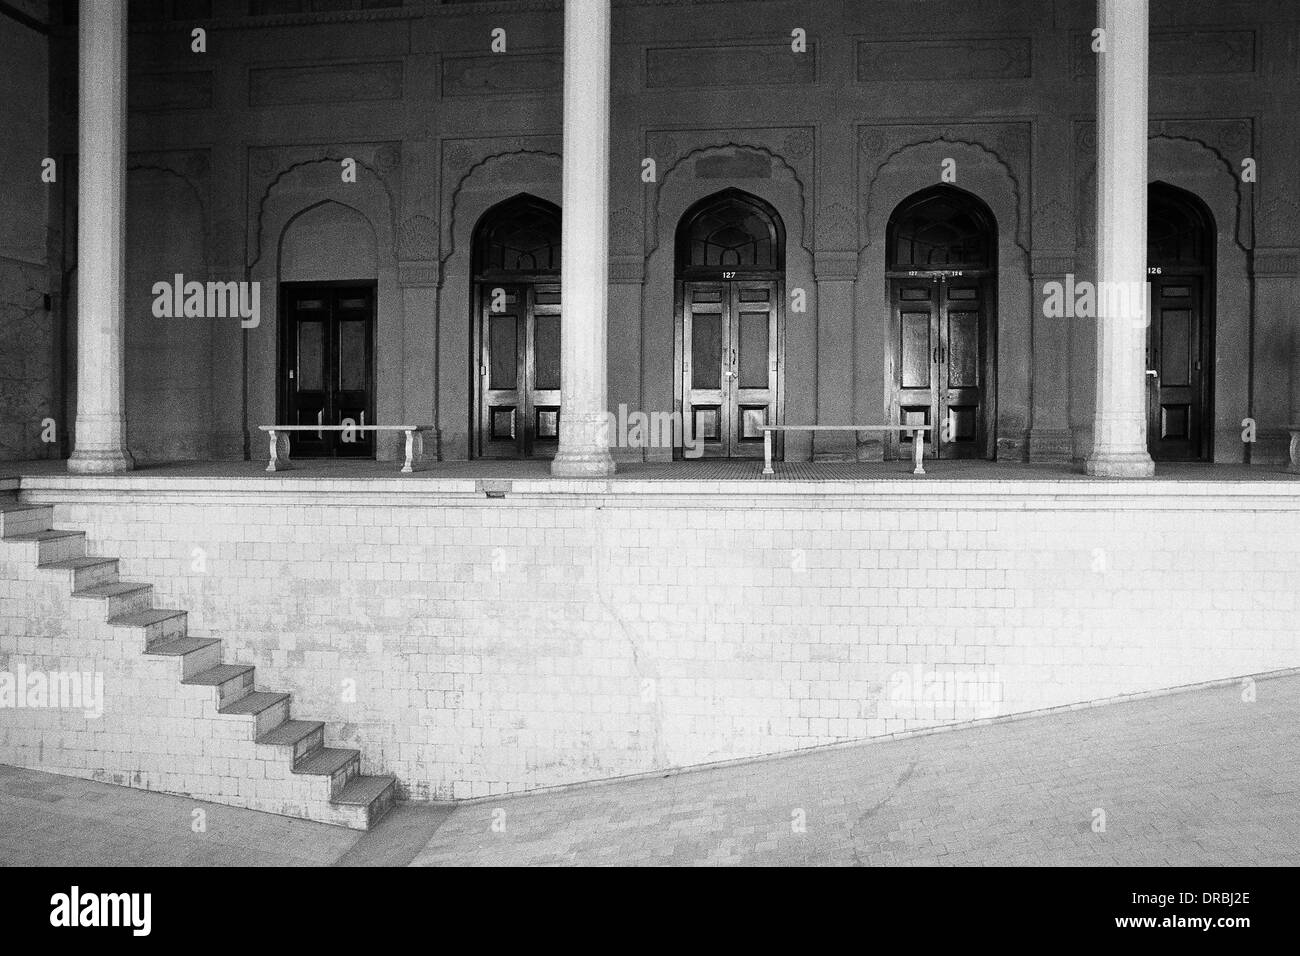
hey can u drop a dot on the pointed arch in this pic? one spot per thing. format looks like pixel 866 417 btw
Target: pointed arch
pixel 520 235
pixel 941 227
pixel 730 229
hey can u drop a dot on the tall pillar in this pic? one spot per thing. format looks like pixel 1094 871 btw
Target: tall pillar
pixel 101 241
pixel 1119 431
pixel 584 257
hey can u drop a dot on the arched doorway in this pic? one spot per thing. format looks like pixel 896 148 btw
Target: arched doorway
pixel 516 342
pixel 1180 355
pixel 327 330
pixel 940 358
pixel 730 271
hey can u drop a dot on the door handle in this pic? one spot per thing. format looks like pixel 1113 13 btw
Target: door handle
pixel 1154 373
pixel 363 418
pixel 320 420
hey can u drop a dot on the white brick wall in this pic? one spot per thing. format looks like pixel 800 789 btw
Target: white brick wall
pixel 551 637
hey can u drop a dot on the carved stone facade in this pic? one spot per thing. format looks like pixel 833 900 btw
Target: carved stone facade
pixel 231 147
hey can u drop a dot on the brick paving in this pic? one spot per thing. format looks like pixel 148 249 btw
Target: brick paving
pixel 1193 778
pixel 1198 777
pixel 49 820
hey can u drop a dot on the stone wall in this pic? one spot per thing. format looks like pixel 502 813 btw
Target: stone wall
pixel 29 358
pixel 569 632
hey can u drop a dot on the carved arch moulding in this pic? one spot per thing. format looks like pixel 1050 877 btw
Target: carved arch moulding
pixel 1219 144
pixel 478 173
pixel 991 155
pixel 717 159
pixel 313 174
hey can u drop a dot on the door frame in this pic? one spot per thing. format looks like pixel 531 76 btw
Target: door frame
pixel 679 343
pixel 1206 272
pixel 284 346
pixel 896 447
pixel 527 282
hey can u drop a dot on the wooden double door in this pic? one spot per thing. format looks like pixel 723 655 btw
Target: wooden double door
pixel 518 350
pixel 730 363
pixel 327 370
pixel 941 360
pixel 1178 369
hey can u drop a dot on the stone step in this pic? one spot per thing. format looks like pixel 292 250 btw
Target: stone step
pixel 197 654
pixel 365 800
pixel 304 736
pixel 119 597
pixel 51 546
pixel 157 624
pixel 337 763
pixel 84 572
pixel 354 800
pixel 268 709
pixel 17 518
pixel 232 681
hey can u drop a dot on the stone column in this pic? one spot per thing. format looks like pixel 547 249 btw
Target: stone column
pixel 101 221
pixel 584 264
pixel 1119 447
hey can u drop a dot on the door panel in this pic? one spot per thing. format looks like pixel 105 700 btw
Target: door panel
pixel 916 306
pixel 501 407
pixel 308 373
pixel 1176 392
pixel 939 364
pixel 730 364
pixel 706 350
pixel 328 356
pixel 542 363
pixel 519 369
pixel 961 424
pixel 753 365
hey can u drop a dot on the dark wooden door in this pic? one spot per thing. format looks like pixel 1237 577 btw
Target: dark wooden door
pixel 1176 374
pixel 327 368
pixel 939 361
pixel 519 369
pixel 730 364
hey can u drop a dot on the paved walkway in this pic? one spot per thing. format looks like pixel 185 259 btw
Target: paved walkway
pixel 1193 778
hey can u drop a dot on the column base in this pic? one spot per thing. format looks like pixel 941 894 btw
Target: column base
pixel 100 463
pixel 1120 464
pixel 596 464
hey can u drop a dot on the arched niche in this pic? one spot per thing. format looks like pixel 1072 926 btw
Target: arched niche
pixel 682 186
pixel 1193 167
pixel 488 183
pixel 311 226
pixel 517 314
pixel 328 242
pixel 982 174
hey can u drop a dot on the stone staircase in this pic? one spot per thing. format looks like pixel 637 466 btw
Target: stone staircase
pixel 296 773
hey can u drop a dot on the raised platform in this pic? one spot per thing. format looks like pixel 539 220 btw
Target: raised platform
pixel 504 630
pixel 48 481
